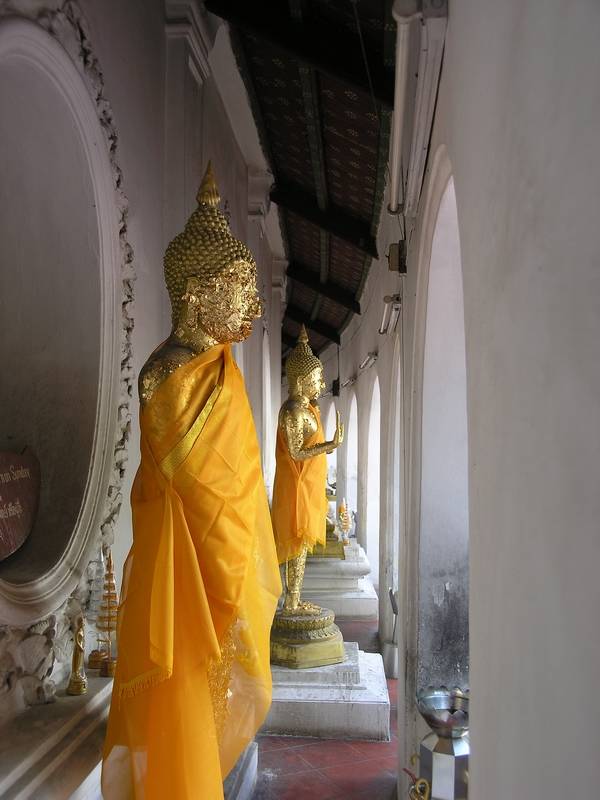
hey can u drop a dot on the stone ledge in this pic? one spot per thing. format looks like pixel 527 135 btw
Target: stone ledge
pixel 52 750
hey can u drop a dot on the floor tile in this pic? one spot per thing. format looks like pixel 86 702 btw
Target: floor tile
pixel 283 761
pixel 375 774
pixel 309 785
pixel 329 753
pixel 266 743
pixel 376 749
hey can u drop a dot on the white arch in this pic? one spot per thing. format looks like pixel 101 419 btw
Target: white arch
pixel 443 557
pixel 437 179
pixel 373 482
pixel 351 482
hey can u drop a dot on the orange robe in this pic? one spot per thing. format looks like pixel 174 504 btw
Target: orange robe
pixel 299 505
pixel 200 587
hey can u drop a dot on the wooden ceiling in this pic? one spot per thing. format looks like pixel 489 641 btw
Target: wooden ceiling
pixel 320 77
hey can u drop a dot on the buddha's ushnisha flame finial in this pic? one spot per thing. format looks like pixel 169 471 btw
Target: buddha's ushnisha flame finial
pixel 205 248
pixel 208 193
pixel 301 361
pixel 303 335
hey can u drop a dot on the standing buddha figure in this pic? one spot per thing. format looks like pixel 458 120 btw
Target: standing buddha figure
pixel 299 511
pixel 299 503
pixel 200 584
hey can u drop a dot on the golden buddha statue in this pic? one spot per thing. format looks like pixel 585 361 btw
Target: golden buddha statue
pixel 78 681
pixel 200 585
pixel 299 510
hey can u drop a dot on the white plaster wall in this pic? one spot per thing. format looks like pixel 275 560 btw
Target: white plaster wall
pixel 128 40
pixel 519 109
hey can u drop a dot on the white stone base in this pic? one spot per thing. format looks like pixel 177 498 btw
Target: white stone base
pixel 342 585
pixel 342 701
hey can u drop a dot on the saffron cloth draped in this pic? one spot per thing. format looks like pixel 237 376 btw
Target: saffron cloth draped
pixel 299 504
pixel 200 588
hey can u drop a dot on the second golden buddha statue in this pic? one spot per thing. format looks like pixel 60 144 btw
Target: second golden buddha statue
pixel 303 634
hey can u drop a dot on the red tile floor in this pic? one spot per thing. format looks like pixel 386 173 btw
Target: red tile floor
pixel 292 768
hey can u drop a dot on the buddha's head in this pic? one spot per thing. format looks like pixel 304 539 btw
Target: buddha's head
pixel 304 370
pixel 211 275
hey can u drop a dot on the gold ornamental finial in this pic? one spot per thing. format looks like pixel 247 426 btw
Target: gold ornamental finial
pixel 303 336
pixel 208 193
pixel 301 361
pixel 205 249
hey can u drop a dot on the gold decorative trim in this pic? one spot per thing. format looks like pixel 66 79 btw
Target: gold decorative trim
pixel 173 460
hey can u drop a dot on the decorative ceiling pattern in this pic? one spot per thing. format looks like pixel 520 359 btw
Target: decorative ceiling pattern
pixel 319 74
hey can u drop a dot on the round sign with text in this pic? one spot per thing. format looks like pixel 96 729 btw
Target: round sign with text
pixel 19 498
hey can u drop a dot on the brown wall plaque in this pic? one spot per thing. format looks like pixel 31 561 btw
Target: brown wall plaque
pixel 19 498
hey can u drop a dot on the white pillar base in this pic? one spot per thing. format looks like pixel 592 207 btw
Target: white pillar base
pixel 341 701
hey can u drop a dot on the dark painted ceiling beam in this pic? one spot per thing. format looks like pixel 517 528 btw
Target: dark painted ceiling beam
pixel 328 289
pixel 303 318
pixel 288 340
pixel 334 220
pixel 325 47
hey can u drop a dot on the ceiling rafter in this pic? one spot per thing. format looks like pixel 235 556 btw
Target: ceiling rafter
pixel 328 49
pixel 298 315
pixel 355 231
pixel 314 132
pixel 288 340
pixel 329 289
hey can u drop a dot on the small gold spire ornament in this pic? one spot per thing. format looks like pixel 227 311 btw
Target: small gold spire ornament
pixel 77 680
pixel 107 619
pixel 344 521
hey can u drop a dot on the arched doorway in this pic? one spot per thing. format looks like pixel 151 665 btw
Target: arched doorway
pixel 373 483
pixel 443 645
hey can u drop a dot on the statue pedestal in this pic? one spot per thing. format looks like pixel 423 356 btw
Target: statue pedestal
pixel 342 701
pixel 342 585
pixel 300 641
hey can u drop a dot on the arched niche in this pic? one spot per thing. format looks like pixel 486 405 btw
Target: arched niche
pixel 61 311
pixel 443 625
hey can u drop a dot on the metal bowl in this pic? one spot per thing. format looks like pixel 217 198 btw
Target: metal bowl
pixel 446 711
